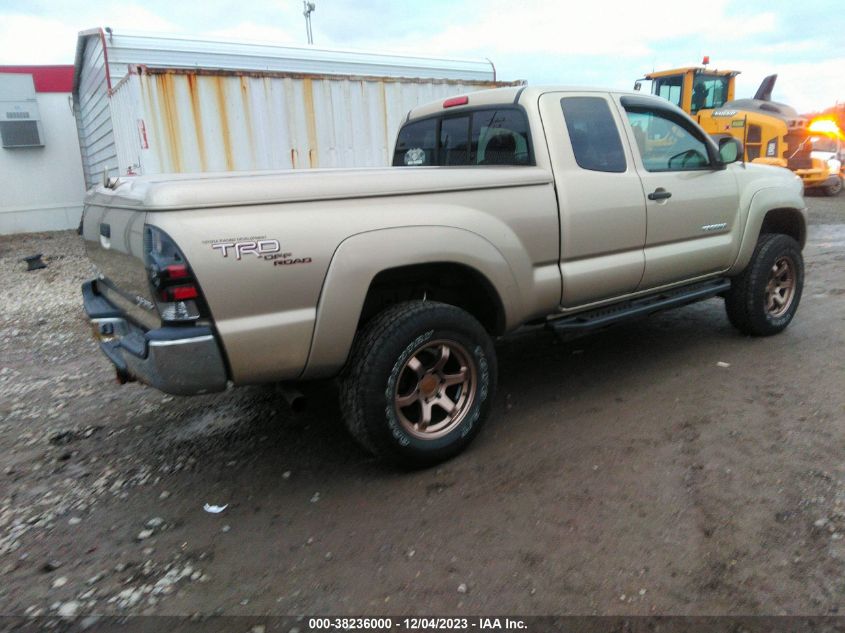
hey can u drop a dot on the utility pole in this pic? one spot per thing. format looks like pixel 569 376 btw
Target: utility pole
pixel 309 8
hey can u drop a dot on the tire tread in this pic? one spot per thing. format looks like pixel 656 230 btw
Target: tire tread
pixel 357 375
pixel 740 299
pixel 359 365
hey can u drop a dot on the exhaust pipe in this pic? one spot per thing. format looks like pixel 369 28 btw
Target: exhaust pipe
pixel 122 376
pixel 295 399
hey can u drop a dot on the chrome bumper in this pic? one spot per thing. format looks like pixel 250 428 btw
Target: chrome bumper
pixel 178 360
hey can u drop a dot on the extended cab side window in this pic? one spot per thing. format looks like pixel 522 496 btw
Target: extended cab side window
pixel 477 137
pixel 593 134
pixel 664 143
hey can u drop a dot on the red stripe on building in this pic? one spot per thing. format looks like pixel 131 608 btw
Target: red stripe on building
pixel 46 78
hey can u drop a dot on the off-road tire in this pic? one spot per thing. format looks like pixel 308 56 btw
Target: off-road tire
pixel 369 383
pixel 746 301
pixel 833 190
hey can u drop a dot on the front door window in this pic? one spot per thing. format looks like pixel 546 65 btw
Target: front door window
pixel 665 144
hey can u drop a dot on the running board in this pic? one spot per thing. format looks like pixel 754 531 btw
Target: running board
pixel 643 306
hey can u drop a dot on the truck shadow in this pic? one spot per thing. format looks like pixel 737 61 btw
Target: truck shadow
pixel 539 372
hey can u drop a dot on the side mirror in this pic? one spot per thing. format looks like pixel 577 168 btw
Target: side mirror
pixel 730 150
pixel 637 86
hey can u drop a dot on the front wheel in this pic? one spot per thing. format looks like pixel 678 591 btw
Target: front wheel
pixel 835 189
pixel 419 383
pixel 763 299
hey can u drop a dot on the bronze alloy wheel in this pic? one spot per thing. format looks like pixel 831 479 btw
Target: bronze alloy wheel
pixel 764 297
pixel 780 289
pixel 419 384
pixel 436 389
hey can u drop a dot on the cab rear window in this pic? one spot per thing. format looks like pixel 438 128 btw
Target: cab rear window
pixel 478 137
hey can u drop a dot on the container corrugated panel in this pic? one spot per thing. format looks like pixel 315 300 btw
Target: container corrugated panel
pixel 126 115
pixel 91 106
pixel 214 121
pixel 169 51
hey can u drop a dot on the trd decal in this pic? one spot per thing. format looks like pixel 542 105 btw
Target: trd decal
pixel 259 248
pixel 263 248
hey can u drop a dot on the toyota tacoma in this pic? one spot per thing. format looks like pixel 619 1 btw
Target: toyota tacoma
pixel 566 208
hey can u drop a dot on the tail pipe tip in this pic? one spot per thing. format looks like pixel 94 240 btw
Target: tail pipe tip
pixel 122 377
pixel 294 398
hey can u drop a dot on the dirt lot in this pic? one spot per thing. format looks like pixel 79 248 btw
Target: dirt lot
pixel 621 473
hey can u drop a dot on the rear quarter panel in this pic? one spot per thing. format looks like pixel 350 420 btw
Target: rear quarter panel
pixel 265 311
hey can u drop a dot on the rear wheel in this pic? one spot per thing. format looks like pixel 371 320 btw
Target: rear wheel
pixel 419 383
pixel 762 300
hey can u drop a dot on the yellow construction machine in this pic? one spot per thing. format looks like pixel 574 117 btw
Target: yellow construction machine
pixel 693 88
pixel 771 133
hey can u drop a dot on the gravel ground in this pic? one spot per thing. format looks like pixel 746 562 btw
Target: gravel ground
pixel 621 473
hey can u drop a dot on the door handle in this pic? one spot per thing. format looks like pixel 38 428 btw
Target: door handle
pixel 659 194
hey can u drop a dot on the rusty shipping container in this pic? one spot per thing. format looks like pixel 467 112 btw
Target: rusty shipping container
pixel 148 105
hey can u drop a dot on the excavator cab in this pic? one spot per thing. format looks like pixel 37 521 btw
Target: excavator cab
pixel 692 88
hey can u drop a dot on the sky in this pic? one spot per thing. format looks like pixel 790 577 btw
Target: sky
pixel 607 43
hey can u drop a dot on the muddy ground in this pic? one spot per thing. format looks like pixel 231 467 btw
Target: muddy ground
pixel 625 472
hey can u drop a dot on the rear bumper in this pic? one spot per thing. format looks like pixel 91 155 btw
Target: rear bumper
pixel 177 360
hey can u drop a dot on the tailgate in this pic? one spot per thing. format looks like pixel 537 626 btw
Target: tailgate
pixel 114 241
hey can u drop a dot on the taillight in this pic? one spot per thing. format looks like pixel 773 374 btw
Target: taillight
pixel 177 271
pixel 175 289
pixel 179 293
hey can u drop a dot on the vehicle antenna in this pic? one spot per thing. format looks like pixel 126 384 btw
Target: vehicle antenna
pixel 309 8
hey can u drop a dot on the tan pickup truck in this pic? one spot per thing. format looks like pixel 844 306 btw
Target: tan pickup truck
pixel 565 208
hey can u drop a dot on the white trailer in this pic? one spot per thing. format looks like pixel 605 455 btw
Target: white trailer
pixel 40 171
pixel 159 104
